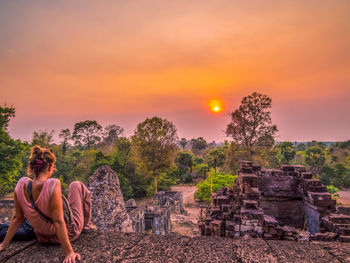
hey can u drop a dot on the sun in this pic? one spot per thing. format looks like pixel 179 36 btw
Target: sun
pixel 215 105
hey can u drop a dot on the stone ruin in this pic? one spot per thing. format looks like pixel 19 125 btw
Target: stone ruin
pixel 171 199
pixel 155 218
pixel 108 207
pixel 276 204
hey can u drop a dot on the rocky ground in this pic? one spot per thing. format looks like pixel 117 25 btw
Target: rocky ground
pixel 96 247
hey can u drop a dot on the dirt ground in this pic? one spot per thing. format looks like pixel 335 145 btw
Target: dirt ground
pixel 186 224
pixel 344 197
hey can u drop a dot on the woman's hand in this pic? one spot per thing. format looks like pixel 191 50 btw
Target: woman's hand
pixel 71 257
pixel 2 246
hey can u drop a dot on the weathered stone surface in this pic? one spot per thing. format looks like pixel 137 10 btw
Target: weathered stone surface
pixel 7 208
pixel 130 202
pixel 271 203
pixel 171 199
pixel 95 246
pixel 108 207
pixel 157 219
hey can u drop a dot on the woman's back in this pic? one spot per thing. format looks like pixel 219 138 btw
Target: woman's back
pixel 44 231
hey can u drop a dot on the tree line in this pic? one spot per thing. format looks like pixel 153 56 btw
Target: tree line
pixel 154 158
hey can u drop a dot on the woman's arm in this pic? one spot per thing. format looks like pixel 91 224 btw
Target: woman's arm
pixel 16 221
pixel 60 225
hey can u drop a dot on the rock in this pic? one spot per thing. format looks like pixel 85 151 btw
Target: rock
pixel 130 202
pixel 108 207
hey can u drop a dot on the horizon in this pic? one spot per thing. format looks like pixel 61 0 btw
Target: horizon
pixel 120 62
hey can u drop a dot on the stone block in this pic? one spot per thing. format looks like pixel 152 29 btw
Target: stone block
pixel 216 228
pixel 245 228
pixel 229 233
pixel 245 164
pixel 306 175
pixel 287 167
pixel 258 229
pixel 339 219
pixel 324 237
pixel 230 226
pixel 250 196
pixel 344 239
pixel 250 204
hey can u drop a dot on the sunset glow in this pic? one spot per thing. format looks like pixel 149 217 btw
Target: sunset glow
pixel 215 105
pixel 122 61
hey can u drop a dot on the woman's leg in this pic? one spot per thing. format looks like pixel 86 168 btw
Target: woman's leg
pixel 79 198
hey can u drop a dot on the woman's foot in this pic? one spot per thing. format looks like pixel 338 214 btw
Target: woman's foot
pixel 90 227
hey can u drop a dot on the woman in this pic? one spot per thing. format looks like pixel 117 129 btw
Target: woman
pixel 47 196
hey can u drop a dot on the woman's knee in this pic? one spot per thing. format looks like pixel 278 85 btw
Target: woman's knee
pixel 75 184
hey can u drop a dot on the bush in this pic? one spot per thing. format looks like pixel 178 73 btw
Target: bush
pixel 217 180
pixel 187 178
pixel 163 182
pixel 332 189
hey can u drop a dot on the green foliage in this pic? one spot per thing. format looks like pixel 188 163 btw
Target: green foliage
pixel 163 183
pixel 214 181
pixel 197 160
pixel 198 145
pixel 42 138
pixel 251 121
pixel 111 134
pixel 287 151
pixel 315 158
pixel 183 143
pixel 234 154
pixel 6 114
pixel 216 157
pixel 86 133
pixel 154 145
pixel 201 170
pixel 11 152
pixel 332 190
pixel 184 161
pixel 65 136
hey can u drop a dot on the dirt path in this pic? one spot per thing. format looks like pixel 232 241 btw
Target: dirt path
pixel 344 197
pixel 186 224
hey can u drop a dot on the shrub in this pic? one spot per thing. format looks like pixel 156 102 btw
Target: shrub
pixel 217 180
pixel 163 183
pixel 332 189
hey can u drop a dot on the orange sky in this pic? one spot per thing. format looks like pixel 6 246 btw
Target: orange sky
pixel 122 61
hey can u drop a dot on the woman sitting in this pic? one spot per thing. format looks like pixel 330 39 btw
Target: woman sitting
pixel 46 194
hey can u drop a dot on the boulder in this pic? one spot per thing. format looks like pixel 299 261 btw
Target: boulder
pixel 108 207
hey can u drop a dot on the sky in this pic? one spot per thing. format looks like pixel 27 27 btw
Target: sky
pixel 119 62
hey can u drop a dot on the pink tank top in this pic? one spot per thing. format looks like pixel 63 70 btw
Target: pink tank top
pixel 45 232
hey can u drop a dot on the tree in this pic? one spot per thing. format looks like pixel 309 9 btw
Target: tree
pixel 11 152
pixel 198 145
pixel 86 133
pixel 183 143
pixel 66 136
pixel 184 160
pixel 252 120
pixel 43 138
pixel 216 157
pixel 314 157
pixel 154 143
pixel 287 151
pixel 6 114
pixel 266 141
pixel 234 154
pixel 111 134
